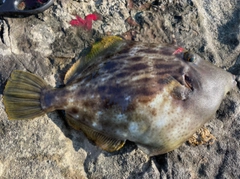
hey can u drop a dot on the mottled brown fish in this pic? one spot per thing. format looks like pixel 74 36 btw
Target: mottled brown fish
pixel 156 96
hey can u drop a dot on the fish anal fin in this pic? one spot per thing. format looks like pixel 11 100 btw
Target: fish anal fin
pixel 101 140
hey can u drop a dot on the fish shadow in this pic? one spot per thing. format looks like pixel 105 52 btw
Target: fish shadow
pixel 2 85
pixel 79 140
pixel 92 161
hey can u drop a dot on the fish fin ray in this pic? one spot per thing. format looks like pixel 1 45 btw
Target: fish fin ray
pixel 21 96
pixel 105 47
pixel 102 141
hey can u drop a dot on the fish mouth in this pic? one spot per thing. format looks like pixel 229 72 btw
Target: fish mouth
pixel 187 82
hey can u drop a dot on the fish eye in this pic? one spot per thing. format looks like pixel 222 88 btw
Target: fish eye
pixel 187 56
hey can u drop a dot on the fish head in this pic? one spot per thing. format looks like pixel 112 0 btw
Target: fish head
pixel 209 84
pixel 196 89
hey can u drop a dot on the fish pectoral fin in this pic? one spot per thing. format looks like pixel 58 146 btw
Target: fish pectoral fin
pixel 180 93
pixel 177 90
pixel 101 140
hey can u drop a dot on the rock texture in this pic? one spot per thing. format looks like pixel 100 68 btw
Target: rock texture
pixel 47 45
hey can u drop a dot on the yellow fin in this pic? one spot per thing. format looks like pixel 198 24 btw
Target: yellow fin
pixel 102 141
pixel 21 96
pixel 105 47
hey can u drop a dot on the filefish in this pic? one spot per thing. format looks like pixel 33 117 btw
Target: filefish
pixel 155 95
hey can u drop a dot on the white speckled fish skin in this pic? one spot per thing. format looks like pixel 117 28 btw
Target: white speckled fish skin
pixel 146 94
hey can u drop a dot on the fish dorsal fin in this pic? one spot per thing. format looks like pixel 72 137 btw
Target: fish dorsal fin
pixel 102 141
pixel 105 47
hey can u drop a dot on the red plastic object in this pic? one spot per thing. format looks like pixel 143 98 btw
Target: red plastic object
pixel 85 23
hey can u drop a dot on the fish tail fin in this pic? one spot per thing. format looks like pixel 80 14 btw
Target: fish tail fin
pixel 22 96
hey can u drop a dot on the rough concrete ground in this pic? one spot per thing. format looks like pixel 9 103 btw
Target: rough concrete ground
pixel 47 45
